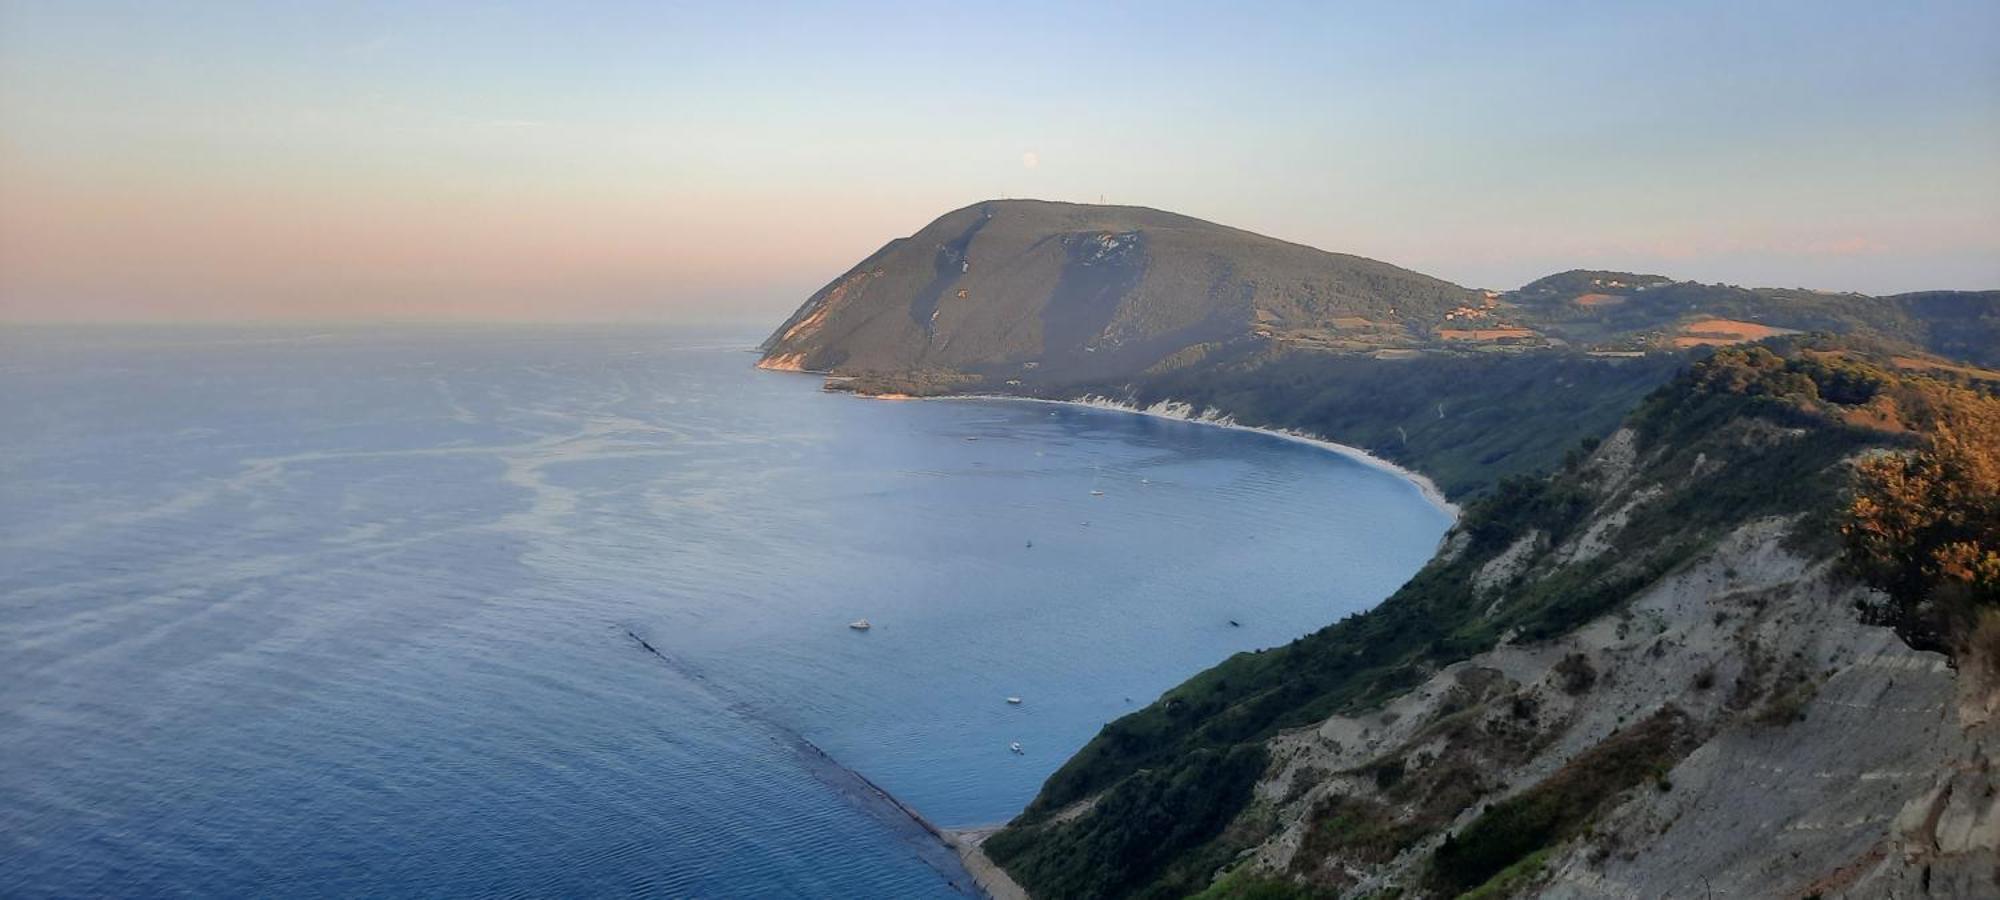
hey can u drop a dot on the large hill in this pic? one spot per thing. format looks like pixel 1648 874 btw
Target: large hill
pixel 1013 286
pixel 1053 293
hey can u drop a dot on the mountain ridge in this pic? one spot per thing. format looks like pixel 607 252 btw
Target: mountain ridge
pixel 1426 374
pixel 1043 292
pixel 1001 284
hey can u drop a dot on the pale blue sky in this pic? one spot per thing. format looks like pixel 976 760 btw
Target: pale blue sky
pixel 652 160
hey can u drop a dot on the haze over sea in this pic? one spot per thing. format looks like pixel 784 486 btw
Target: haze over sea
pixel 357 611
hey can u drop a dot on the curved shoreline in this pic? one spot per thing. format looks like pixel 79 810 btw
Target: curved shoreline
pixel 1182 412
pixel 1177 411
pixel 992 880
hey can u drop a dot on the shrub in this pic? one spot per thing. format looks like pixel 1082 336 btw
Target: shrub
pixel 1561 806
pixel 1576 674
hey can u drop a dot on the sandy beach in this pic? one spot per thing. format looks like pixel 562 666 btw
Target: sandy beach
pixel 1182 412
pixel 992 879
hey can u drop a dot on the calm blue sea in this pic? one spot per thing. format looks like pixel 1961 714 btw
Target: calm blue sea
pixel 352 612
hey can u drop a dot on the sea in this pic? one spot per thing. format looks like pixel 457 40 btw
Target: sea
pixel 565 611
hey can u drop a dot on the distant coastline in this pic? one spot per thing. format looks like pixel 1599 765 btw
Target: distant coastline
pixel 1181 412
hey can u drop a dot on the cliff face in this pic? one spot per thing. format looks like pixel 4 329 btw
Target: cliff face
pixel 1734 728
pixel 1644 676
pixel 1014 288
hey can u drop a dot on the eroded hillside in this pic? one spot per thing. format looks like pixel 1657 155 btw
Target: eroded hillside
pixel 1649 674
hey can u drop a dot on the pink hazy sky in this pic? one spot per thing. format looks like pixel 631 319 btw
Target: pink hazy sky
pixel 650 162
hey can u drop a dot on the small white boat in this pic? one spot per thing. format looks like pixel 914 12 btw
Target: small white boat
pixel 1096 493
pixel 860 625
pixel 1014 700
pixel 1016 747
pixel 1145 481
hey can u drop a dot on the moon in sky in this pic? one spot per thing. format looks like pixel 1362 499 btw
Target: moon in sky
pixel 1030 159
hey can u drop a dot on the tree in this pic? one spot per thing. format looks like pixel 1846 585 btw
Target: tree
pixel 1924 526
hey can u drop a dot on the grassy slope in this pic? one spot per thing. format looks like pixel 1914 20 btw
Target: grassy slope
pixel 1963 325
pixel 1466 422
pixel 1084 290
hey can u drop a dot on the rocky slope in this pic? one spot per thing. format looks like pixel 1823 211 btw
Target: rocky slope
pixel 1645 676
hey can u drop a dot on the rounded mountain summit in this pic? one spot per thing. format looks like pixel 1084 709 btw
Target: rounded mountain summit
pixel 1013 289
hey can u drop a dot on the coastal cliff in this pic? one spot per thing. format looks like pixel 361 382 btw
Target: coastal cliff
pixel 1649 674
pixel 1652 659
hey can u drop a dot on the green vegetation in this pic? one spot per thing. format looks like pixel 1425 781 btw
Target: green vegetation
pixel 1153 825
pixel 1565 285
pixel 1242 885
pixel 1528 824
pixel 1089 291
pixel 1464 421
pixel 1958 324
pixel 1963 325
pixel 1032 295
pixel 1741 435
pixel 1513 881
pixel 1358 829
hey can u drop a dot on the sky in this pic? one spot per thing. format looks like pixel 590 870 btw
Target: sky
pixel 720 161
